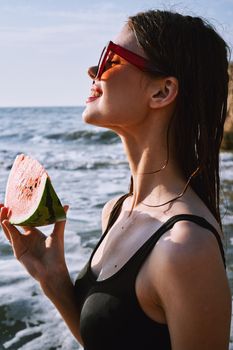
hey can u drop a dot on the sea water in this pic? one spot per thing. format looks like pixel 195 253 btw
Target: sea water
pixel 87 166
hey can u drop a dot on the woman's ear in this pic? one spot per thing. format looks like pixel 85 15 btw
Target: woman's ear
pixel 163 92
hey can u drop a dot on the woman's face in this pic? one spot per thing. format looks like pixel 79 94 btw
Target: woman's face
pixel 118 100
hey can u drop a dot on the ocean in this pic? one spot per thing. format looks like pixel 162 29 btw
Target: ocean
pixel 87 167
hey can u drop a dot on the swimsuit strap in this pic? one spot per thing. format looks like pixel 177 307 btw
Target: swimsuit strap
pixel 150 243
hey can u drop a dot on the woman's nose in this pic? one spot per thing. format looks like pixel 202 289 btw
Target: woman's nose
pixel 92 71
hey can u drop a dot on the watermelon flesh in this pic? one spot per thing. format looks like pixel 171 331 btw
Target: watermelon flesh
pixel 30 195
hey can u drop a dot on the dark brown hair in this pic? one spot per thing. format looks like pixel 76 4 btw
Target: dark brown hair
pixel 191 50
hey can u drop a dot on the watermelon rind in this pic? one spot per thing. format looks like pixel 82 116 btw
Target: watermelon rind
pixel 46 209
pixel 49 210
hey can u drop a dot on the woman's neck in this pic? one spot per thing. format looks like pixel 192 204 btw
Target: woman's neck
pixel 156 176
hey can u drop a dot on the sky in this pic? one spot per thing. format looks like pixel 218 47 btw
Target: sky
pixel 46 46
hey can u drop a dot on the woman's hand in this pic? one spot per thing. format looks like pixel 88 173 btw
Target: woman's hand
pixel 42 256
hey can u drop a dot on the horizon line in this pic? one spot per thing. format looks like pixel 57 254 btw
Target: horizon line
pixel 43 106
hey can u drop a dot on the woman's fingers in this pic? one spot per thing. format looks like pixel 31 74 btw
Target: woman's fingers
pixel 4 213
pixel 30 229
pixel 4 216
pixel 66 208
pixel 59 226
pixel 12 230
pixel 20 242
pixel 15 238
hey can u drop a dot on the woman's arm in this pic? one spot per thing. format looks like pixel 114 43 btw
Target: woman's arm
pixel 43 257
pixel 60 290
pixel 192 286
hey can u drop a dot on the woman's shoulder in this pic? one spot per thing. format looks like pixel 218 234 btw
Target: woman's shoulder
pixel 189 239
pixel 187 249
pixel 187 275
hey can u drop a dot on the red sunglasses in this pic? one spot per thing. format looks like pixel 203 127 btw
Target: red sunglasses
pixel 131 57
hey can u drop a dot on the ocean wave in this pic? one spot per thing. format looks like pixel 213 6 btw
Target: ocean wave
pixel 85 165
pixel 103 137
pixel 32 332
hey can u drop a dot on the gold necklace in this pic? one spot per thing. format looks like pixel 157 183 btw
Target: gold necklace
pixel 178 196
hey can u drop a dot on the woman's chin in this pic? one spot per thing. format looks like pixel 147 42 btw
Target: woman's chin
pixel 92 117
pixel 89 116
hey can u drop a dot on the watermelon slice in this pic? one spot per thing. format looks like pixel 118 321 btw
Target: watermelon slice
pixel 30 194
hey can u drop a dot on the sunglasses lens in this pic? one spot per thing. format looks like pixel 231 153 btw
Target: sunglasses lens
pixel 104 62
pixel 100 66
pixel 92 72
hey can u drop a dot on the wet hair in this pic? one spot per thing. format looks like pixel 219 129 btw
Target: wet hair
pixel 191 50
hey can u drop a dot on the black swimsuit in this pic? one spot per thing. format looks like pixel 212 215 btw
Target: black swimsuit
pixel 111 317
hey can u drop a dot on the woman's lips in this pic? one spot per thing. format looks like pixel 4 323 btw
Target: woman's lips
pixel 91 98
pixel 96 92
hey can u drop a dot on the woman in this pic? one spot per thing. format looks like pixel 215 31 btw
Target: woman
pixel 156 279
